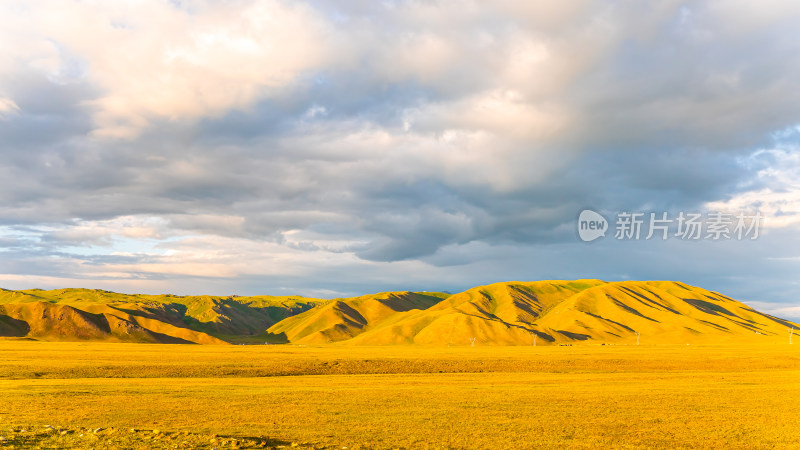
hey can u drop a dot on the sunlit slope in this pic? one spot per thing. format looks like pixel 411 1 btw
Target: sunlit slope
pixel 499 313
pixel 558 312
pixel 511 313
pixel 47 321
pixel 660 311
pixel 83 314
pixel 343 319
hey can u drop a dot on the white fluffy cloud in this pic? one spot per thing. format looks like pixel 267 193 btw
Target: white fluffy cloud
pixel 153 60
pixel 775 188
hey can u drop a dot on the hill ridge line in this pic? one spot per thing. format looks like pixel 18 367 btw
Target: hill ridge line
pixel 544 312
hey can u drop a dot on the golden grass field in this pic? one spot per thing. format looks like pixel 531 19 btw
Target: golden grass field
pixel 398 396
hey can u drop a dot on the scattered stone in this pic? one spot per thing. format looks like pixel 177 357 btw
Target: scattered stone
pixel 133 430
pixel 97 430
pixel 64 432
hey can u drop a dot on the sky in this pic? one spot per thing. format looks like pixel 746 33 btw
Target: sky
pixel 350 147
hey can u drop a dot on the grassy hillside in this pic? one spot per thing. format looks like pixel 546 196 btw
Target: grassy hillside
pixel 592 311
pixel 554 312
pixel 84 314
pixel 342 319
pixel 500 313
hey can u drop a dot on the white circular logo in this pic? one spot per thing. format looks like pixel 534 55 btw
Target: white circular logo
pixel 591 225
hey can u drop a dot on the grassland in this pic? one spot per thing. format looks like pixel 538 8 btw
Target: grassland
pixel 398 397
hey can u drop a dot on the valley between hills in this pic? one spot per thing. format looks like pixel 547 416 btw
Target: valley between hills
pixel 538 313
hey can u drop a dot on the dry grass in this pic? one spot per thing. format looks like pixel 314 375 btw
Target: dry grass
pixel 411 397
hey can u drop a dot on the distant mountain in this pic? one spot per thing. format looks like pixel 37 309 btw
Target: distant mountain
pixel 511 313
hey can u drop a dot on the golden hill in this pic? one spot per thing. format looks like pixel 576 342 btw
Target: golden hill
pixel 511 313
pixel 343 319
pixel 81 314
pixel 562 312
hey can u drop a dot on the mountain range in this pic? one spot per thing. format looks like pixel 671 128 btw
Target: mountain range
pixel 553 312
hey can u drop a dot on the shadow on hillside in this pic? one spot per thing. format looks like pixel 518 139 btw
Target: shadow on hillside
pixel 631 310
pixel 148 313
pixel 597 316
pixel 233 319
pixel 276 338
pixel 576 336
pixel 646 301
pixel 172 314
pixel 708 307
pixel 11 327
pixel 491 317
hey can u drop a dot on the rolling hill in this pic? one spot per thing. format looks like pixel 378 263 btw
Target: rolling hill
pixel 84 314
pixel 565 312
pixel 512 313
pixel 343 319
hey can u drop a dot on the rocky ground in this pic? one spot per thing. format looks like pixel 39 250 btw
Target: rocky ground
pixel 56 437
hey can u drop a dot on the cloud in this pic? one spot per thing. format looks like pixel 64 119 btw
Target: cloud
pixel 7 106
pixel 774 190
pixel 155 60
pixel 269 143
pixel 103 233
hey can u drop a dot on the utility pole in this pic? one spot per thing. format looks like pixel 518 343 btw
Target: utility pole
pixel 472 341
pixel 637 337
pixel 791 332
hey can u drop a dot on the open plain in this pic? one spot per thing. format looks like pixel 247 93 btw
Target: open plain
pixel 106 395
